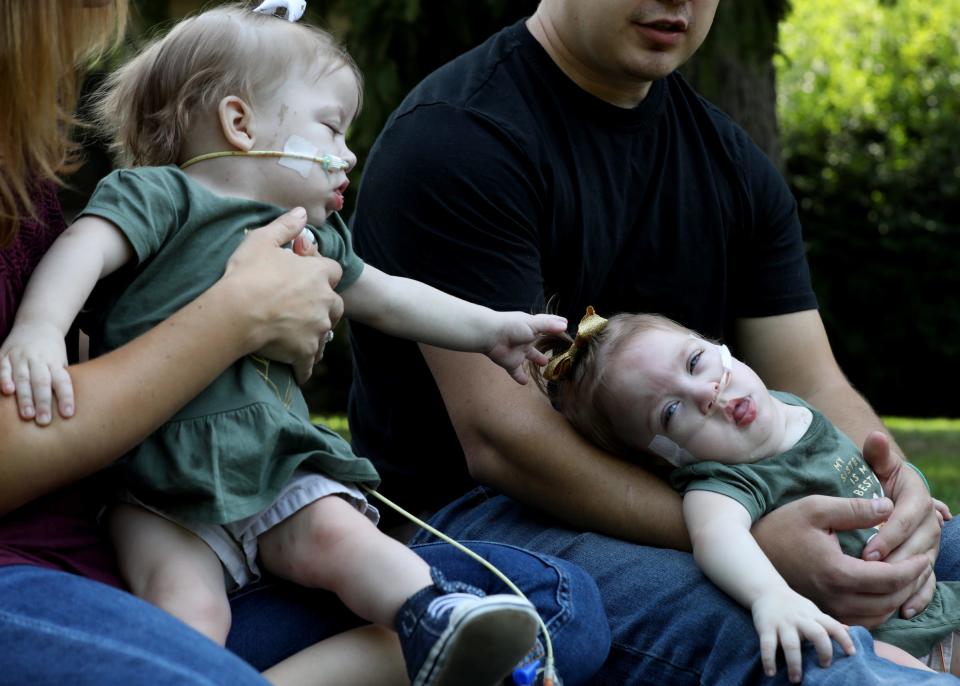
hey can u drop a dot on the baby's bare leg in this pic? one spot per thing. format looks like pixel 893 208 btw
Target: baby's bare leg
pixel 366 655
pixel 329 544
pixel 172 568
pixel 898 655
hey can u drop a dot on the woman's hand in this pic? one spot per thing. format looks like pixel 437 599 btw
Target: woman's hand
pixel 288 300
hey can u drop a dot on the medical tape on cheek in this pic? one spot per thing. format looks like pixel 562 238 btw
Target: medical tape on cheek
pixel 670 451
pixel 300 155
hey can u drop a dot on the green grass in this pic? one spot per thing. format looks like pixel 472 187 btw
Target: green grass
pixel 931 444
pixel 934 446
pixel 337 422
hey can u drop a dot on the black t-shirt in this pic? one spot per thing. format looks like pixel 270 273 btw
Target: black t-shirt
pixel 500 181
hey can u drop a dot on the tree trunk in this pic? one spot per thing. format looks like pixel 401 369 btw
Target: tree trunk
pixel 734 67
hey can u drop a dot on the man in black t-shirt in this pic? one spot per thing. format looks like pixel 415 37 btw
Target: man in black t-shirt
pixel 564 160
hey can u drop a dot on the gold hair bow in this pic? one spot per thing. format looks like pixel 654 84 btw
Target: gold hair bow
pixel 559 365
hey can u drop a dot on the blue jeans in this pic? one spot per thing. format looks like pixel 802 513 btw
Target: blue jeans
pixel 670 624
pixel 59 628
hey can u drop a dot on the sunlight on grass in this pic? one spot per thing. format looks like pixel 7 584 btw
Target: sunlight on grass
pixel 934 446
pixel 936 425
pixel 337 422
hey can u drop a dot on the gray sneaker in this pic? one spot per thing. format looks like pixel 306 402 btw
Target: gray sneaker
pixel 462 639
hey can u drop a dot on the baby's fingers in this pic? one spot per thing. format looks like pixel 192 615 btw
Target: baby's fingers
pixel 40 379
pixel 790 642
pixel 518 375
pixel 549 323
pixel 63 389
pixel 24 392
pixel 537 357
pixel 7 386
pixel 819 634
pixel 841 634
pixel 768 651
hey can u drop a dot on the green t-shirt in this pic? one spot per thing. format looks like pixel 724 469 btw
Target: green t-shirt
pixel 227 453
pixel 824 461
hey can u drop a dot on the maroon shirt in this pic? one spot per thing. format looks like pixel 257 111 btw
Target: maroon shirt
pixel 60 530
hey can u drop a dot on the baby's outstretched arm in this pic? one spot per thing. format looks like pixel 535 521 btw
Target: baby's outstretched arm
pixel 33 358
pixel 727 553
pixel 410 309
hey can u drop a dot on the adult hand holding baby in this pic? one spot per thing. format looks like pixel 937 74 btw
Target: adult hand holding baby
pixel 289 324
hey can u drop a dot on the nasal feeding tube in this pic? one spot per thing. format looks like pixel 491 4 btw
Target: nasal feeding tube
pixel 726 362
pixel 298 154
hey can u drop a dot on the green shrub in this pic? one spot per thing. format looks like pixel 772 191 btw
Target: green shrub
pixel 870 123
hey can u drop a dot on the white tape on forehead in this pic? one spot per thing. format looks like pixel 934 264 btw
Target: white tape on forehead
pixel 305 151
pixel 670 451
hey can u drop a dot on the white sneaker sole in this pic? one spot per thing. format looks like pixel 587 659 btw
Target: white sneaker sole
pixel 482 644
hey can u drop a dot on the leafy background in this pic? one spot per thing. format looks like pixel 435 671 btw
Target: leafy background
pixel 869 117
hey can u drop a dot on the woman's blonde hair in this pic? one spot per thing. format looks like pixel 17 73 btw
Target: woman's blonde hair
pixel 148 104
pixel 581 395
pixel 44 46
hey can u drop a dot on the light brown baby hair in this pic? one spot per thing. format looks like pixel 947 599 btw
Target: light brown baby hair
pixel 582 395
pixel 149 104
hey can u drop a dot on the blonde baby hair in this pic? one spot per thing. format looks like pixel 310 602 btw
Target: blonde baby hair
pixel 149 104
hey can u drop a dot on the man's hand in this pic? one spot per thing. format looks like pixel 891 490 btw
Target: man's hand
pixel 914 526
pixel 800 540
pixel 290 299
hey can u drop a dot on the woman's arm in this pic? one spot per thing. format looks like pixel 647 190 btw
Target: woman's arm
pixel 413 310
pixel 727 553
pixel 268 300
pixel 33 358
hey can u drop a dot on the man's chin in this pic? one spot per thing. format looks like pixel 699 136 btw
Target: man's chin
pixel 655 65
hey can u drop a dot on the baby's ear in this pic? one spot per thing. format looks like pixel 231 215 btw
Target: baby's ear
pixel 236 117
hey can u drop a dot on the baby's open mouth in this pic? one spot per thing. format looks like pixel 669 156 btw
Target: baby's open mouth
pixel 741 411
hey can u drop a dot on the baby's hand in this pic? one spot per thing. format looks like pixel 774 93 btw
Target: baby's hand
pixel 784 618
pixel 515 334
pixel 33 361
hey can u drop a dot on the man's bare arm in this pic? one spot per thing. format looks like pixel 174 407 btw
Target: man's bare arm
pixel 516 442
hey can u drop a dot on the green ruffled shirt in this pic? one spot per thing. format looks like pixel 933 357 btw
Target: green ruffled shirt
pixel 226 454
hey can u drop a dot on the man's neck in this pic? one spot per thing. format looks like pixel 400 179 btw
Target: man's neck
pixel 625 94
